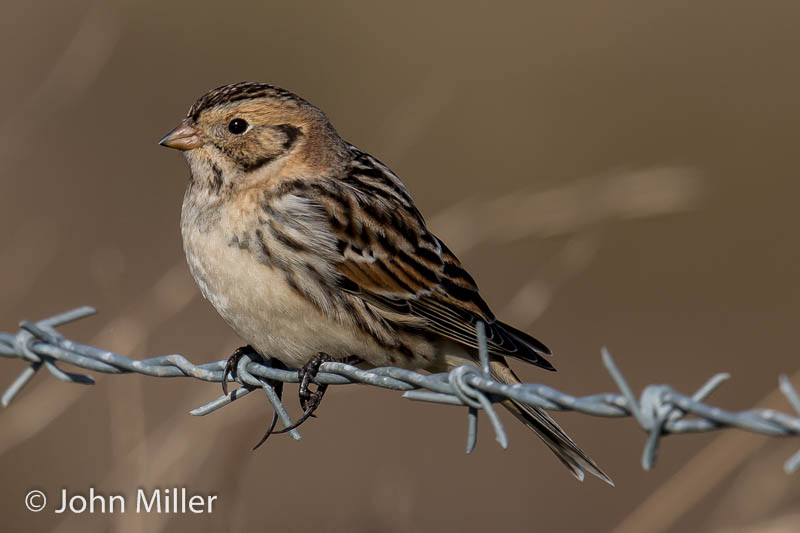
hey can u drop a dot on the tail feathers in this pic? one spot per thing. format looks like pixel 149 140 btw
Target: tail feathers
pixel 559 442
pixel 565 449
pixel 532 342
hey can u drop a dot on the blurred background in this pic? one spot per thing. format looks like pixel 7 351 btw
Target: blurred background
pixel 613 173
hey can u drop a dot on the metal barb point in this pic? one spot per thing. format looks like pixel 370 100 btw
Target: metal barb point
pixel 793 463
pixel 656 411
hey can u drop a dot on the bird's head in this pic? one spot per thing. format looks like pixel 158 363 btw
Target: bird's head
pixel 243 133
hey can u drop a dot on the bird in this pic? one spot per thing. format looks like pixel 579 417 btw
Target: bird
pixel 307 246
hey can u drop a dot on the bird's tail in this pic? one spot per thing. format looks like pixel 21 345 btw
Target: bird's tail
pixel 546 429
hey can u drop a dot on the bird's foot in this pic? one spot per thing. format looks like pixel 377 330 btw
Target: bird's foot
pixel 310 399
pixel 233 361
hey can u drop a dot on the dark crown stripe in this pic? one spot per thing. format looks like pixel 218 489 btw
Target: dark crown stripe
pixel 239 91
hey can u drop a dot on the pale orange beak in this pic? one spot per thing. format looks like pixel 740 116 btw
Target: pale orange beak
pixel 184 137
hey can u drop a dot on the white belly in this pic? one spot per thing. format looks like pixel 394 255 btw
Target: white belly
pixel 263 309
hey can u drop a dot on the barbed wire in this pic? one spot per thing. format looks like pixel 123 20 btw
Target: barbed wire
pixel 660 410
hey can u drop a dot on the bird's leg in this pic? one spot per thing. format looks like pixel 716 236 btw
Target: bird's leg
pixel 309 371
pixel 233 360
pixel 310 400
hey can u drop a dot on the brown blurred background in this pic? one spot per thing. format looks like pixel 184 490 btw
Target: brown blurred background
pixel 620 174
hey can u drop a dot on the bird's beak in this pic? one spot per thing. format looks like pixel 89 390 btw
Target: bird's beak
pixel 184 137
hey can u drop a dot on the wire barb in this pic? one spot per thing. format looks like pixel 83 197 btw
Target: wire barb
pixel 660 410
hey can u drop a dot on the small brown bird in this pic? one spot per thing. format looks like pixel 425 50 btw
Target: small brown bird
pixel 306 245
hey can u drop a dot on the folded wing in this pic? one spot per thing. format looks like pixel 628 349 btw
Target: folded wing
pixel 387 256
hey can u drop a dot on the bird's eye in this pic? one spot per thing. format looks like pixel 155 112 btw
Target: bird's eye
pixel 237 126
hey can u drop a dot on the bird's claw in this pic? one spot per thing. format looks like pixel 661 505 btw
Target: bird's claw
pixel 232 362
pixel 311 399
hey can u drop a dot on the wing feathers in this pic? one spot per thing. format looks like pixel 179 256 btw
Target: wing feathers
pixel 388 257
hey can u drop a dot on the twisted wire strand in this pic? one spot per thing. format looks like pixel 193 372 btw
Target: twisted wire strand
pixel 660 410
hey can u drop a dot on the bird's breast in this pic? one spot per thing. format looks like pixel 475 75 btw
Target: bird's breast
pixel 264 293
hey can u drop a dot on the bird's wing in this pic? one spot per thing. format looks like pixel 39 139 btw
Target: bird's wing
pixel 387 256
